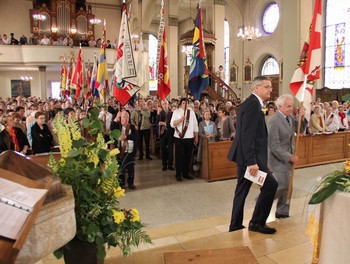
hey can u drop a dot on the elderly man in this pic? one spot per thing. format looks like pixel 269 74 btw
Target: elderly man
pixel 127 146
pixel 281 131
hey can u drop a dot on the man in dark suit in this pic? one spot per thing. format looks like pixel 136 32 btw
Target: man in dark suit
pixel 281 130
pixel 249 151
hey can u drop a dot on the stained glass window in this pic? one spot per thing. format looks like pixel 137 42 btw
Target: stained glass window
pixel 337 46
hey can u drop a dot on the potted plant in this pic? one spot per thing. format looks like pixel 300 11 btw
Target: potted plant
pixel 336 180
pixel 91 169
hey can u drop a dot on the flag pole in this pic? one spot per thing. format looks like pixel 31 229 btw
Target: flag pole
pixel 291 178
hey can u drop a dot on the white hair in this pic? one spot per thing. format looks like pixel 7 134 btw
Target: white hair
pixel 282 99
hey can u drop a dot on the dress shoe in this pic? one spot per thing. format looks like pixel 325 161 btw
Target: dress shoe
pixel 188 177
pixel 178 178
pixel 149 158
pixel 164 169
pixel 277 215
pixel 264 229
pixel 236 228
pixel 171 168
pixel 133 187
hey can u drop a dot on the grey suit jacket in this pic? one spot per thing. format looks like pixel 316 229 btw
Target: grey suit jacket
pixel 280 142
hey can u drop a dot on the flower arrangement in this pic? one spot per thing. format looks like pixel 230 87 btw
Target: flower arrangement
pixel 336 180
pixel 92 170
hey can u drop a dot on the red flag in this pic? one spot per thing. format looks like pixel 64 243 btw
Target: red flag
pixel 77 78
pixel 162 58
pixel 309 62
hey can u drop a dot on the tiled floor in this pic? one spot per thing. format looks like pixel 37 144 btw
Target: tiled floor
pixel 194 215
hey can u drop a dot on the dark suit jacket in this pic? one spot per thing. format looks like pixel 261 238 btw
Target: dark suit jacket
pixel 6 142
pixel 250 144
pixel 131 136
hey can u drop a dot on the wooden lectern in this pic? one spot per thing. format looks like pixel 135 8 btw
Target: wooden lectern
pixel 9 248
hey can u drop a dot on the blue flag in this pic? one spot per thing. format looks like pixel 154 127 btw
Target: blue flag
pixel 199 79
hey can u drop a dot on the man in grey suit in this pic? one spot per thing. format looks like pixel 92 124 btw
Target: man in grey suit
pixel 249 151
pixel 281 132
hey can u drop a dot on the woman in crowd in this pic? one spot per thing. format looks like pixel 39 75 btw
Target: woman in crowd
pixel 206 131
pixel 224 124
pixel 41 135
pixel 318 121
pixel 12 138
pixel 271 110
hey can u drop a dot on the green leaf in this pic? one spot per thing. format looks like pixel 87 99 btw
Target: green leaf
pixel 323 193
pixel 86 123
pixel 78 143
pixel 115 134
pixel 74 153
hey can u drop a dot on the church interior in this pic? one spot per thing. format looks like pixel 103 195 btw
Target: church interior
pixel 248 38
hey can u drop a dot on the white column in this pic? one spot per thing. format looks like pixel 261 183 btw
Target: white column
pixel 42 82
pixel 176 83
pixel 218 20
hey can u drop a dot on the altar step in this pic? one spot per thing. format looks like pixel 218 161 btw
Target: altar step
pixel 289 245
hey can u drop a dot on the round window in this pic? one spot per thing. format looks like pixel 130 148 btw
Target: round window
pixel 270 18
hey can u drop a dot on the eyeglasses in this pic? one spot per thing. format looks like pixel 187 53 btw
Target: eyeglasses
pixel 266 86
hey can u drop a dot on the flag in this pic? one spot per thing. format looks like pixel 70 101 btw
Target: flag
pixel 102 77
pixel 125 77
pixel 88 75
pixel 94 91
pixel 77 77
pixel 141 65
pixel 69 76
pixel 63 75
pixel 198 80
pixel 162 59
pixel 309 63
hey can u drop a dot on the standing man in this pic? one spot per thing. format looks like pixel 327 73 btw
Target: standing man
pixel 166 138
pixel 186 134
pixel 281 131
pixel 144 131
pixel 249 151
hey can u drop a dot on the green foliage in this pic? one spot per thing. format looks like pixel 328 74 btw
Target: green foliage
pixel 92 170
pixel 337 180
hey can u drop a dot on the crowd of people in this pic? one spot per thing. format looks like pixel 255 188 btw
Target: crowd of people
pixel 47 40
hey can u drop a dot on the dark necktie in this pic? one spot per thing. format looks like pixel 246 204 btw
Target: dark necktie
pixel 287 119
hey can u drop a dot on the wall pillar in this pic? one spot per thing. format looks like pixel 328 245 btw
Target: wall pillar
pixel 176 83
pixel 42 82
pixel 218 11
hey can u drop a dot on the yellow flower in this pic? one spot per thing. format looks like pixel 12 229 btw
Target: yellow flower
pixel 135 215
pixel 119 192
pixel 118 216
pixel 76 134
pixel 92 155
pixel 347 166
pixel 114 152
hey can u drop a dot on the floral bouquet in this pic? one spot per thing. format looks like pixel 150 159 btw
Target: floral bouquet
pixel 92 170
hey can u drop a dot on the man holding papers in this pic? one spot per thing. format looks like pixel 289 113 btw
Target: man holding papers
pixel 281 131
pixel 249 151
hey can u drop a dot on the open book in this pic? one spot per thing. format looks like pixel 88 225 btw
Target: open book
pixel 16 204
pixel 258 179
